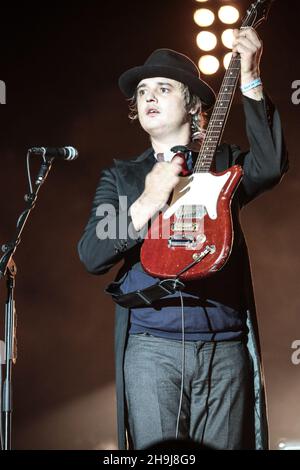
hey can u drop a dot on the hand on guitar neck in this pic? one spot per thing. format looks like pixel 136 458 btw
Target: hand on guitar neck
pixel 248 44
pixel 159 184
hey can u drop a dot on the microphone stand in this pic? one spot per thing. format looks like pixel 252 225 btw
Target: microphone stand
pixel 8 269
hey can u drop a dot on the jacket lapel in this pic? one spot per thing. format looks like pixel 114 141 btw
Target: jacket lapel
pixel 131 174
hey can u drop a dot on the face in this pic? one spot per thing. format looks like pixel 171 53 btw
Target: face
pixel 161 107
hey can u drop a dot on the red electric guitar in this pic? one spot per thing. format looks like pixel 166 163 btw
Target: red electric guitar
pixel 193 237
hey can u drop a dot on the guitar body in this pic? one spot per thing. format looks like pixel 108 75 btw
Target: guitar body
pixel 195 229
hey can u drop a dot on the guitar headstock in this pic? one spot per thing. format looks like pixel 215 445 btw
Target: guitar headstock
pixel 257 13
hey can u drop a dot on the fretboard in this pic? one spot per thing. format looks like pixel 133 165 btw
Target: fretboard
pixel 218 117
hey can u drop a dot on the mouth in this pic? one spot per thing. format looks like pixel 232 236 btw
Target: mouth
pixel 152 112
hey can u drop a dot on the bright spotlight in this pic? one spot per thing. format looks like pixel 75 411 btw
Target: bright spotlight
pixel 227 59
pixel 227 38
pixel 228 14
pixel 208 64
pixel 289 445
pixel 206 41
pixel 204 17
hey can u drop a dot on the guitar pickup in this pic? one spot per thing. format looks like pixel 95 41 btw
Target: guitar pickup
pixel 185 227
pixel 179 240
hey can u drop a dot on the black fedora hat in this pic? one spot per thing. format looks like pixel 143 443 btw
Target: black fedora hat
pixel 169 64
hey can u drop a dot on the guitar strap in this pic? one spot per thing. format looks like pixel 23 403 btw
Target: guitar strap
pixel 144 297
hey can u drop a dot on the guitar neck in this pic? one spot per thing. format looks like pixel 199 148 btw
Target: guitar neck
pixel 219 116
pixel 256 13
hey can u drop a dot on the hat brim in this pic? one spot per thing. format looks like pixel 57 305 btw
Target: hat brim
pixel 129 80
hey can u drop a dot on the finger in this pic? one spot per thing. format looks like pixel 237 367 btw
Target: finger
pixel 247 43
pixel 241 36
pixel 177 164
pixel 241 49
pixel 251 34
pixel 177 160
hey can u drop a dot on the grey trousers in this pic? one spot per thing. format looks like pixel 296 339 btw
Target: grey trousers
pixel 217 403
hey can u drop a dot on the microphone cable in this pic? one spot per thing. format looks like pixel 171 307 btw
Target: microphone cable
pixel 182 366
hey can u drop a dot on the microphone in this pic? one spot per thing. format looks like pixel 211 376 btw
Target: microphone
pixel 66 153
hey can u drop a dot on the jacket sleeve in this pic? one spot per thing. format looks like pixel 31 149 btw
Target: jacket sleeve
pixel 266 161
pixel 109 233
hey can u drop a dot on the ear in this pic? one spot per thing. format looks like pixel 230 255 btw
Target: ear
pixel 195 109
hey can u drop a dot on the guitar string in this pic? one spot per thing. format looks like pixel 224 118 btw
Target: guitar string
pixel 205 163
pixel 212 124
pixel 215 115
pixel 220 113
pixel 233 61
pixel 213 120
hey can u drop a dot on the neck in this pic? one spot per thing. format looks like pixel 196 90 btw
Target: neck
pixel 161 145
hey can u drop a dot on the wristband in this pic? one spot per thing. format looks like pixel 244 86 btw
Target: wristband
pixel 257 82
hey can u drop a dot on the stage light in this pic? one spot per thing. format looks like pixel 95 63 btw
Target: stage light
pixel 289 445
pixel 208 64
pixel 227 59
pixel 228 14
pixel 206 41
pixel 211 18
pixel 204 17
pixel 227 38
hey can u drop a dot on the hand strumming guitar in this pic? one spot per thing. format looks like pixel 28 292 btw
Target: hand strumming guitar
pixel 159 184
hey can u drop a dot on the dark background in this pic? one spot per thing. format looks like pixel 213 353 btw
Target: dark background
pixel 60 63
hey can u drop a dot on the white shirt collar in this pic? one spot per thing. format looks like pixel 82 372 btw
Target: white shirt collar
pixel 168 155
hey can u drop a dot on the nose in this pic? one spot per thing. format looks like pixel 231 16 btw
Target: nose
pixel 151 97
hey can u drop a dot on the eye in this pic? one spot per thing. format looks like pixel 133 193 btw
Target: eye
pixel 141 91
pixel 164 90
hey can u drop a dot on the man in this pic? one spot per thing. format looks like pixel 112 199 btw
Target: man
pixel 187 366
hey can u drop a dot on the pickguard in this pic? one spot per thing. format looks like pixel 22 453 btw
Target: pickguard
pixel 203 189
